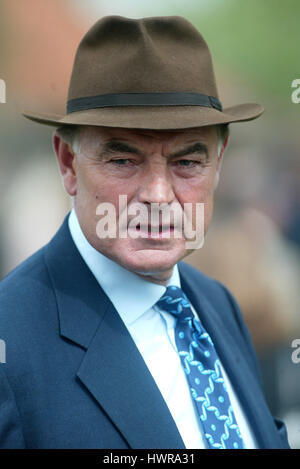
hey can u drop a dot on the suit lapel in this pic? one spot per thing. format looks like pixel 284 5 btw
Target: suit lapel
pixel 112 369
pixel 126 389
pixel 245 384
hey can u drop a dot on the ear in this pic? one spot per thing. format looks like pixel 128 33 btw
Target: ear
pixel 65 158
pixel 219 162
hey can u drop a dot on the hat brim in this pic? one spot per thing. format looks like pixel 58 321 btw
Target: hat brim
pixel 152 117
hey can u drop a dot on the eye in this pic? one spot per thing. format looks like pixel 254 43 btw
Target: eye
pixel 187 163
pixel 121 161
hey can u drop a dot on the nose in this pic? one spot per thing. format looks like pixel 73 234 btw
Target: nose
pixel 156 187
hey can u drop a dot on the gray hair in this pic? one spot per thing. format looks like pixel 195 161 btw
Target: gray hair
pixel 223 131
pixel 70 134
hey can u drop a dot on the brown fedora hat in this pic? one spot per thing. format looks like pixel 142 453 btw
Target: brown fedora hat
pixel 148 73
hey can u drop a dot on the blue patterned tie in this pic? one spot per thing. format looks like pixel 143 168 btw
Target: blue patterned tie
pixel 202 367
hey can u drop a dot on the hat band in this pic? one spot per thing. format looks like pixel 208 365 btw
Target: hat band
pixel 143 99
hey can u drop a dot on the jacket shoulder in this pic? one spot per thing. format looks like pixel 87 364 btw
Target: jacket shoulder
pixel 32 270
pixel 212 289
pixel 222 300
pixel 24 294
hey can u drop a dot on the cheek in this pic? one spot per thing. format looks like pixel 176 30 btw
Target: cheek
pixel 199 192
pixel 98 188
pixel 93 185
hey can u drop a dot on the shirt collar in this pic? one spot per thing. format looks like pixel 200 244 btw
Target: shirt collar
pixel 131 295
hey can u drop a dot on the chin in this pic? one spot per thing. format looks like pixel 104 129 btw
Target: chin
pixel 151 261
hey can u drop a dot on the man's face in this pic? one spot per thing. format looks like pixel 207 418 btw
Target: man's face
pixel 148 167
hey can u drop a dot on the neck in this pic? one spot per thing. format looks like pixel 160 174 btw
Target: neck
pixel 159 278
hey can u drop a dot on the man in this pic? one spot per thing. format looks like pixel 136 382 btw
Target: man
pixel 111 341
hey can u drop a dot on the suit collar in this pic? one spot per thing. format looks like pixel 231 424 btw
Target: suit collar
pixel 112 368
pixel 80 306
pixel 130 294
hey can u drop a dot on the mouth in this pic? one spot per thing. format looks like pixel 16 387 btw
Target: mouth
pixel 155 229
pixel 152 231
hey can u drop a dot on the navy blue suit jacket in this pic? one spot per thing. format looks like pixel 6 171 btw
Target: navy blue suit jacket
pixel 73 377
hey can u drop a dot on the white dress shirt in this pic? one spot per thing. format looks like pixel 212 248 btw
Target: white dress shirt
pixel 153 333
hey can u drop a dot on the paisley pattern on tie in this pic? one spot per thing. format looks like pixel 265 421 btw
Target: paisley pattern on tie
pixel 202 367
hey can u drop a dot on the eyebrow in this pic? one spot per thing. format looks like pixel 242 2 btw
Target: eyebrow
pixel 197 147
pixel 116 146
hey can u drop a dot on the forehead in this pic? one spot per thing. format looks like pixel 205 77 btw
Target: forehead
pixel 96 135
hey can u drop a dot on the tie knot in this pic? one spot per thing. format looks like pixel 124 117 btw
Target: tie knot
pixel 174 301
